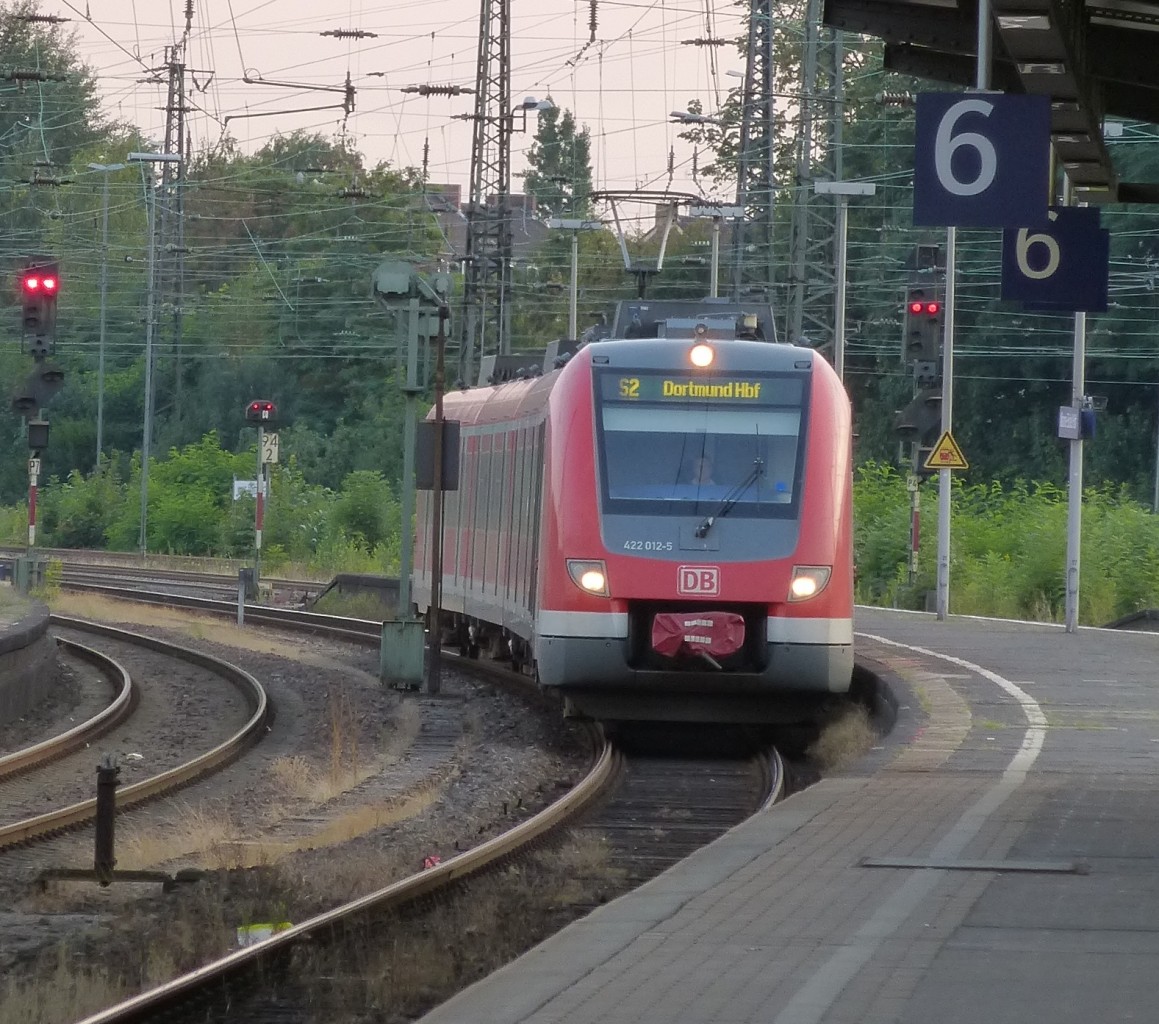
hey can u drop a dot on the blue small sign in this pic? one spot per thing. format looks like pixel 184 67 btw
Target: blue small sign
pixel 981 160
pixel 1060 265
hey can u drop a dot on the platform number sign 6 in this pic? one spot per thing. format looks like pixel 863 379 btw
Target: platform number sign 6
pixel 1059 264
pixel 981 159
pixel 949 141
pixel 1040 244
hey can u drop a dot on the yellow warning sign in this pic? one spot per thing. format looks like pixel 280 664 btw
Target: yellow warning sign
pixel 947 454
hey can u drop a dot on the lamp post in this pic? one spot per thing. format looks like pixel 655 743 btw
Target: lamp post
pixel 105 169
pixel 147 429
pixel 575 226
pixel 842 190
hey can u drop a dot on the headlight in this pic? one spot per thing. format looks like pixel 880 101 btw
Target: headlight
pixel 590 575
pixel 701 355
pixel 808 581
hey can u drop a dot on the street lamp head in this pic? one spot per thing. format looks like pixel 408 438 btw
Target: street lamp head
pixel 154 158
pixel 575 224
pixel 688 117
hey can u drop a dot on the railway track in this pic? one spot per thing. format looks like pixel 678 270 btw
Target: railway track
pixel 623 796
pixel 648 811
pixel 89 570
pixel 118 708
pixel 50 823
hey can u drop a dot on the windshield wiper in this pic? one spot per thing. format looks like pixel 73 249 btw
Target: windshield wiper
pixel 731 499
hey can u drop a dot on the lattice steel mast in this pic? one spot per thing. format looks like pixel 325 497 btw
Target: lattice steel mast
pixel 814 222
pixel 487 288
pixel 171 262
pixel 753 265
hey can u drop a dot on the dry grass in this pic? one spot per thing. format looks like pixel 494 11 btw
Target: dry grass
pixel 65 994
pixel 388 969
pixel 365 605
pixel 200 627
pixel 195 830
pixel 846 736
pixel 406 967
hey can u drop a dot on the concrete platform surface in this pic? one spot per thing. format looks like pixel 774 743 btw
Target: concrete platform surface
pixel 996 860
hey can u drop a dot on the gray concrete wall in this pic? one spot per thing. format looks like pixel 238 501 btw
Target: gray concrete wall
pixel 27 661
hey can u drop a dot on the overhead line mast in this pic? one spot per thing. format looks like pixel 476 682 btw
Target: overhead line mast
pixel 487 284
pixel 753 238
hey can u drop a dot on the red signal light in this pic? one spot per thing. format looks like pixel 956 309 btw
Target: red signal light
pixel 915 307
pixel 49 284
pixel 933 308
pixel 31 284
pixel 261 410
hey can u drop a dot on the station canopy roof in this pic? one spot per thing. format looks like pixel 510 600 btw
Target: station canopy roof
pixel 1094 59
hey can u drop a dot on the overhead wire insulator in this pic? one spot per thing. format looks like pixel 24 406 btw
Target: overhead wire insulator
pixel 439 90
pixel 349 33
pixel 895 99
pixel 706 42
pixel 42 19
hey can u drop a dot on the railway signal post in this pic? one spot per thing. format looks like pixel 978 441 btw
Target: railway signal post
pixel 418 301
pixel 38 284
pixel 264 415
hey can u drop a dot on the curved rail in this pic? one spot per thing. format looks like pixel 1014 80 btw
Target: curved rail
pixel 774 767
pixel 57 746
pixel 405 890
pixel 146 789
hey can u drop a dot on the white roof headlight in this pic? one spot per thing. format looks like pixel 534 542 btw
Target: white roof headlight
pixel 590 575
pixel 808 581
pixel 701 355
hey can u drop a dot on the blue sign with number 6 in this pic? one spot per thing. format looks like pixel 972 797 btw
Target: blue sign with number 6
pixel 981 160
pixel 1059 265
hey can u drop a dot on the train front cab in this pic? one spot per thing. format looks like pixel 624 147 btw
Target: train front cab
pixel 673 552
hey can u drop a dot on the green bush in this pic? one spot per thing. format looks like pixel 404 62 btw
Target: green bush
pixel 1008 549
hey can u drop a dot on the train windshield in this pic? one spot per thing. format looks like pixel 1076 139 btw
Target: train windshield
pixel 672 445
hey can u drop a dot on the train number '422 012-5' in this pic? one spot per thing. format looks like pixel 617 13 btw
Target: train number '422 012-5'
pixel 647 545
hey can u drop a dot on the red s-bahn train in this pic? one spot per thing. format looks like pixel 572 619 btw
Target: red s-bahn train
pixel 660 528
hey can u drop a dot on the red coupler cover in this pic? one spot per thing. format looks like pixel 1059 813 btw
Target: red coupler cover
pixel 717 633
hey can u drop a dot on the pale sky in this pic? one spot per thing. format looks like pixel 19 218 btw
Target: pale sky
pixel 622 86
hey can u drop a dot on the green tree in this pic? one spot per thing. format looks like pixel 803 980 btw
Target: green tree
pixel 559 162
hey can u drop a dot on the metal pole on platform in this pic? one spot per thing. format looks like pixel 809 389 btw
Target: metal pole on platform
pixel 945 476
pixel 945 479
pixel 410 392
pixel 434 626
pixel 1074 487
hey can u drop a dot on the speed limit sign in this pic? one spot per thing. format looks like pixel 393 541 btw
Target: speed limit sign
pixel 981 160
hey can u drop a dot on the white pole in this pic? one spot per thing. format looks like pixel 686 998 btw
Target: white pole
pixel 1074 496
pixel 839 315
pixel 572 311
pixel 1155 497
pixel 714 280
pixel 147 437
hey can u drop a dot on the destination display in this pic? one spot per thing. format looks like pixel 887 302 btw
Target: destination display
pixel 655 387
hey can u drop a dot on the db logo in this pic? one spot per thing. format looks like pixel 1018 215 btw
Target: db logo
pixel 698 579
